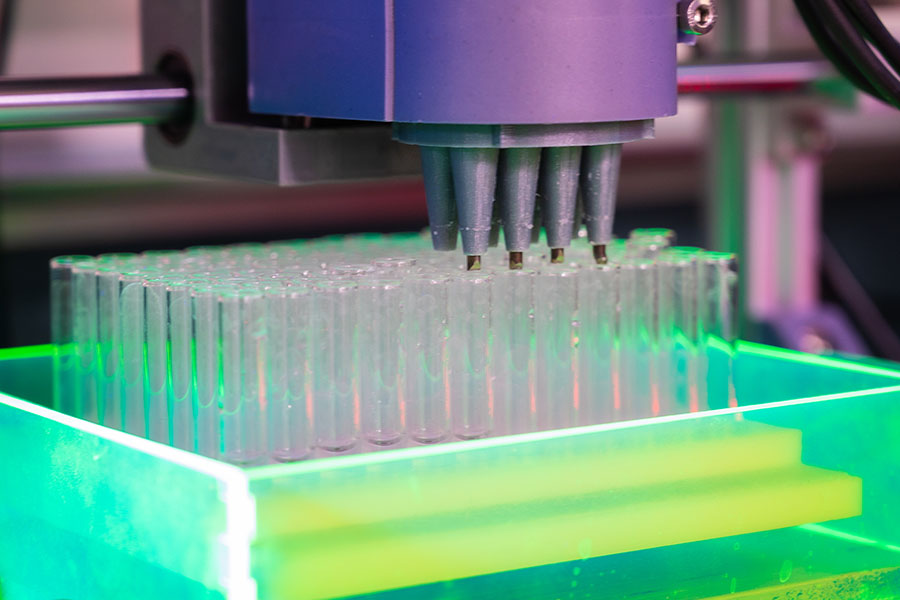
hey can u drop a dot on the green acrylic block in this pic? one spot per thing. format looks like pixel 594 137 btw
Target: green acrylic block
pixel 793 495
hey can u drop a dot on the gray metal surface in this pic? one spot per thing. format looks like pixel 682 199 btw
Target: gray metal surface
pixel 224 138
pixel 42 102
pixel 523 136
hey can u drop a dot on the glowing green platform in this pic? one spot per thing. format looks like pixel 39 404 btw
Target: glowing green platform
pixel 793 496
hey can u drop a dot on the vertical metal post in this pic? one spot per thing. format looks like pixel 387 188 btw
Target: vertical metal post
pixel 726 159
pixel 763 190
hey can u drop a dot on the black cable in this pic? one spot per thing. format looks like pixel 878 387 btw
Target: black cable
pixel 875 31
pixel 832 51
pixel 840 26
pixel 859 304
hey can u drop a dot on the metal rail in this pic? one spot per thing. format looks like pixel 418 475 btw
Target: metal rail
pixel 152 99
pixel 754 77
pixel 72 101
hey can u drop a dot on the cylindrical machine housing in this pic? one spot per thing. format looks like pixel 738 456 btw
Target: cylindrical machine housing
pixel 465 61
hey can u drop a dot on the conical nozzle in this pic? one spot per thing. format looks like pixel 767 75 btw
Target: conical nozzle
pixel 439 197
pixel 474 181
pixel 517 182
pixel 559 189
pixel 599 181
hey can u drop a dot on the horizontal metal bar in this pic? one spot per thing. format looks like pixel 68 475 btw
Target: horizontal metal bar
pixel 758 77
pixel 149 99
pixel 70 101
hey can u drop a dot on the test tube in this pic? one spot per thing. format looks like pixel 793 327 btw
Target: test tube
pixel 84 328
pixel 62 334
pixel 396 266
pixel 718 309
pixel 638 380
pixel 156 320
pixel 288 314
pixel 678 358
pixel 648 242
pixel 109 387
pixel 512 324
pixel 242 322
pixel 206 360
pixel 380 318
pixel 597 298
pixel 424 359
pixel 662 236
pixel 332 359
pixel 131 328
pixel 468 316
pixel 179 381
pixel 557 400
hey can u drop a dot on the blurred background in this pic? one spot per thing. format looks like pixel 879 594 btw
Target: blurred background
pixel 836 162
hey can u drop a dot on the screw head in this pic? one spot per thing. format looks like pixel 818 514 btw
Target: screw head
pixel 697 17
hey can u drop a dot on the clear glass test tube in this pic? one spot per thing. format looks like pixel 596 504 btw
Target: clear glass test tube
pixel 512 325
pixel 638 380
pixel 678 357
pixel 664 237
pixel 718 308
pixel 597 301
pixel 468 318
pixel 557 400
pixel 62 334
pixel 380 320
pixel 615 251
pixel 84 328
pixel 396 266
pixel 109 339
pixel 333 361
pixel 131 358
pixel 117 260
pixel 243 331
pixel 288 317
pixel 648 242
pixel 206 361
pixel 180 372
pixel 425 360
pixel 156 364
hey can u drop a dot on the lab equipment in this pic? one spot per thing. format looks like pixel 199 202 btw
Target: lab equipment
pixel 256 353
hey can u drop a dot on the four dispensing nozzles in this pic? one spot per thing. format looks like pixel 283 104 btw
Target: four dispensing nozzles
pixel 472 191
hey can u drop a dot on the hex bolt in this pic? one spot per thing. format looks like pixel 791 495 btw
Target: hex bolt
pixel 697 17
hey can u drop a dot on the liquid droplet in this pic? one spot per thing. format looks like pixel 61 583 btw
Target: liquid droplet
pixel 786 568
pixel 584 548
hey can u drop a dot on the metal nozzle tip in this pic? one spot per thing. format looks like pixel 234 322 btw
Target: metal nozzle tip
pixel 557 255
pixel 600 254
pixel 473 263
pixel 516 261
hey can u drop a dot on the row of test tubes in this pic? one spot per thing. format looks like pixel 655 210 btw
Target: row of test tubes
pixel 257 353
